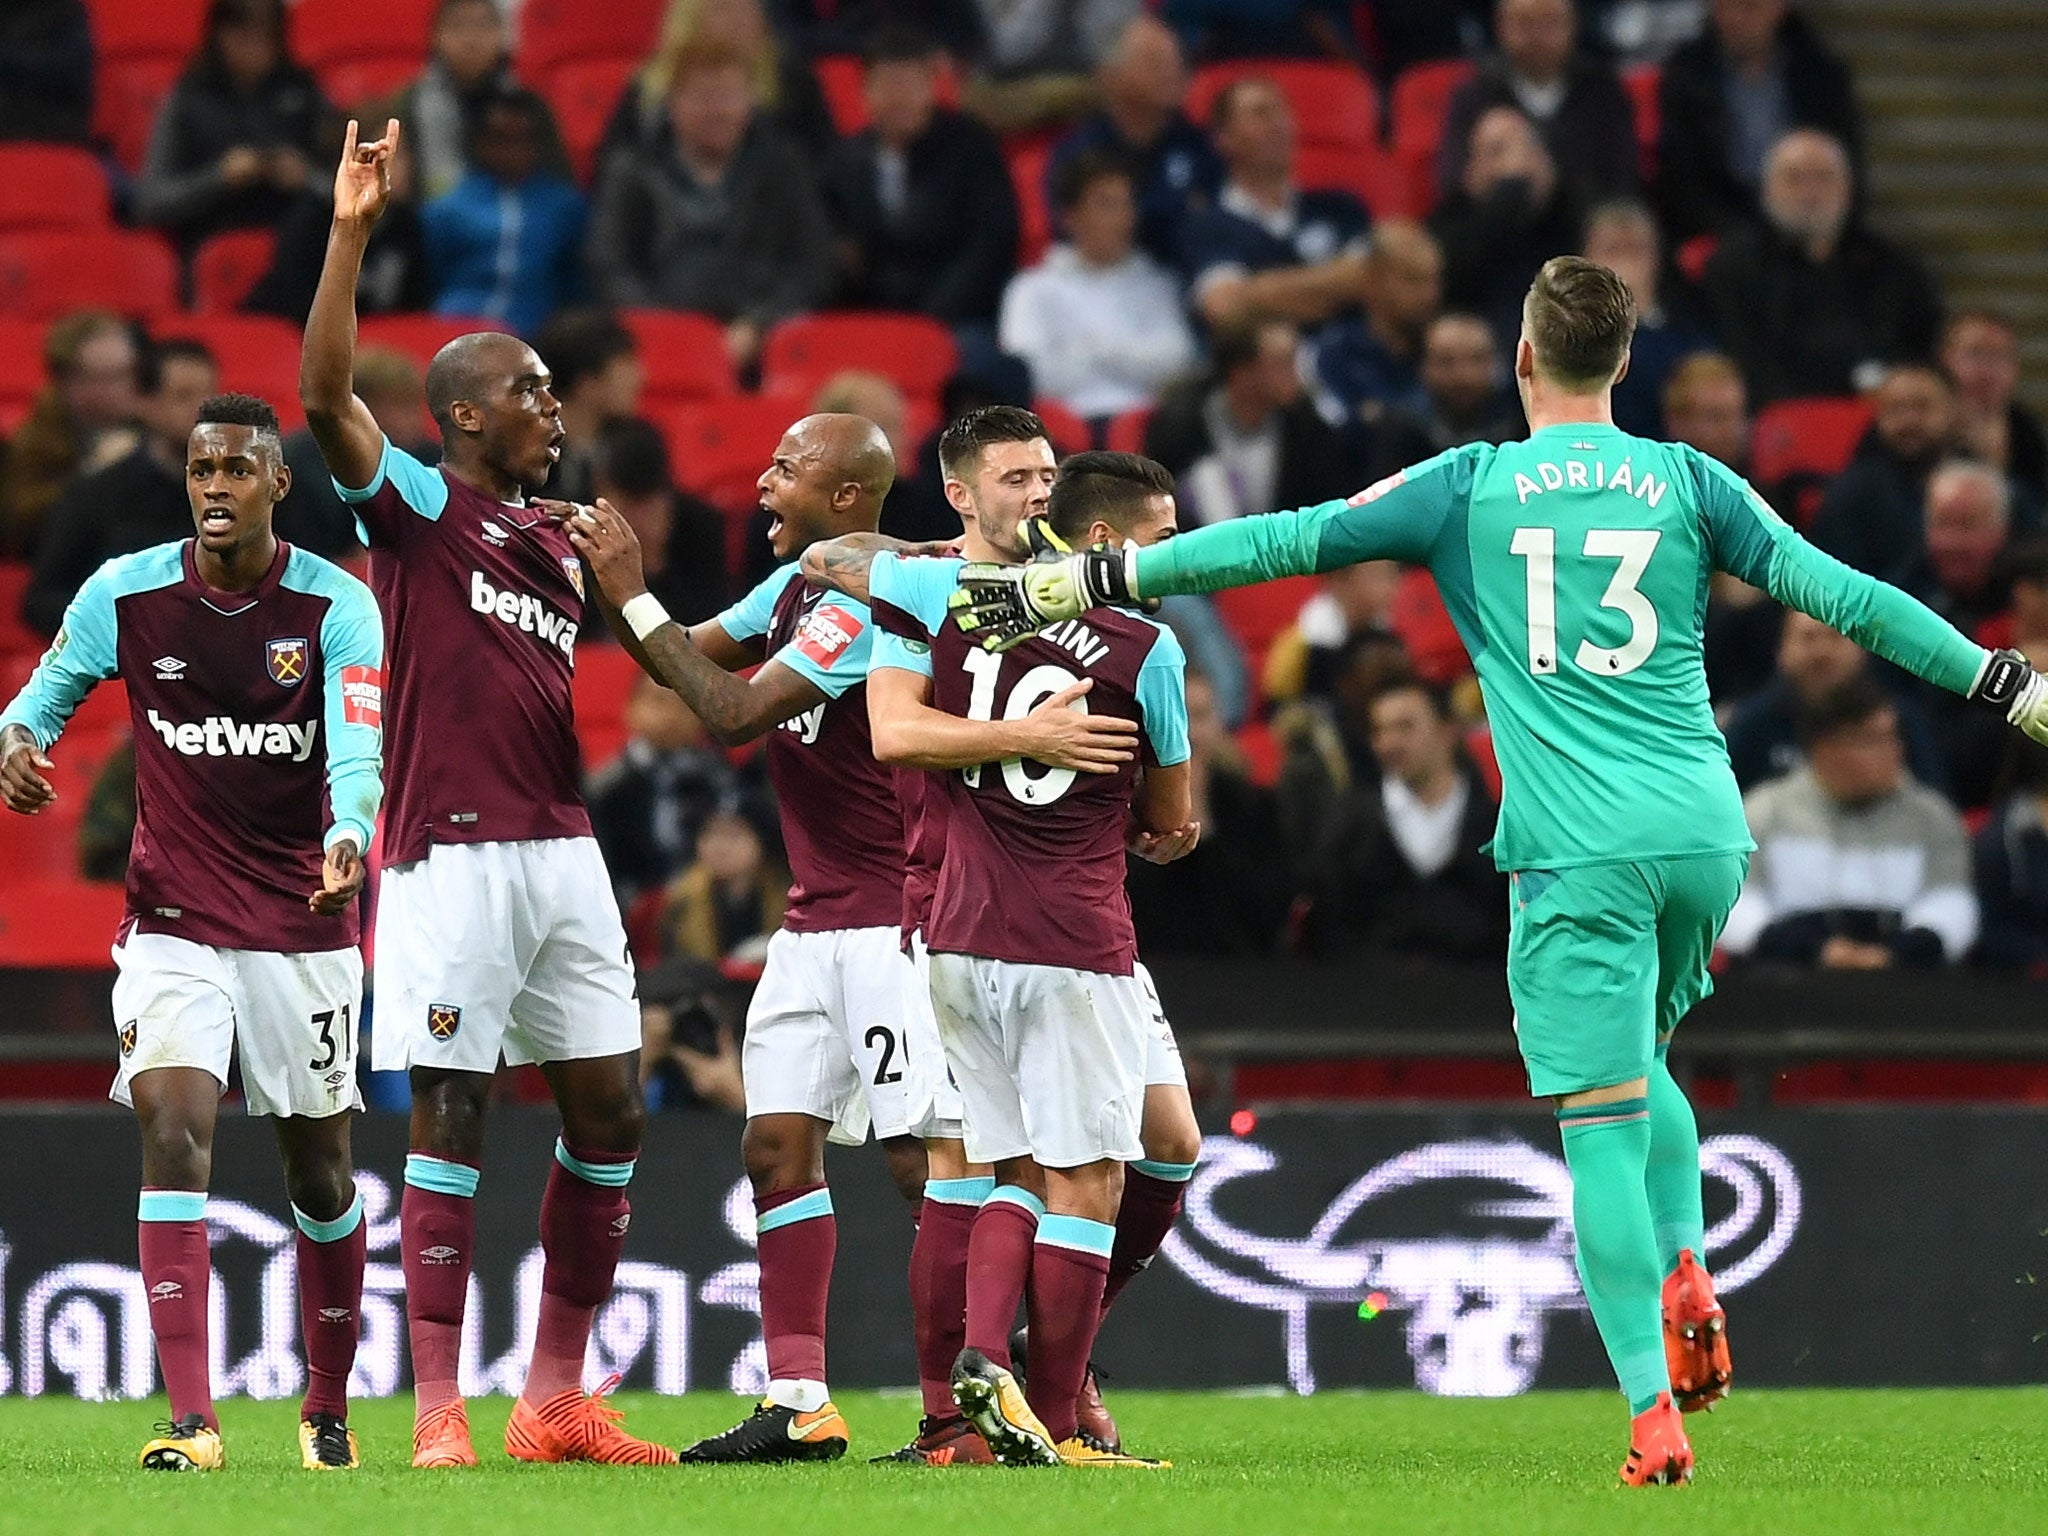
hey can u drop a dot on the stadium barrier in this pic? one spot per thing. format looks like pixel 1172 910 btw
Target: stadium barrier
pixel 1319 1250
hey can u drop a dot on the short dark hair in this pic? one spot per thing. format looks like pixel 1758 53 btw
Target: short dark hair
pixel 579 344
pixel 1225 101
pixel 1236 342
pixel 1083 171
pixel 1842 708
pixel 898 42
pixel 961 444
pixel 1113 487
pixel 1580 318
pixel 1437 698
pixel 239 410
pixel 149 376
pixel 632 457
pixel 509 98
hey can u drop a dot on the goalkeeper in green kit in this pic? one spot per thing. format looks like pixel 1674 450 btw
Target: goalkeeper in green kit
pixel 1575 566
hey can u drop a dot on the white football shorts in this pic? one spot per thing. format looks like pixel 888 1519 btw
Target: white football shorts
pixel 290 1018
pixel 1163 1066
pixel 946 1098
pixel 1050 1061
pixel 512 949
pixel 840 1029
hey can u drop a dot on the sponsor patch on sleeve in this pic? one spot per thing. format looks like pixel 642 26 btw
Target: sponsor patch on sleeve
pixel 1378 488
pixel 826 633
pixel 362 696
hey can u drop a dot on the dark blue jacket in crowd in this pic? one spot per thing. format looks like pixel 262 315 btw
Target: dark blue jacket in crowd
pixel 1179 174
pixel 1324 223
pixel 511 254
pixel 2012 886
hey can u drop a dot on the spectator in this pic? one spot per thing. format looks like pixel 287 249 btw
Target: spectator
pixel 1958 572
pixel 1857 866
pixel 1245 438
pixel 1038 58
pixel 1143 82
pixel 1814 661
pixel 2011 858
pixel 706 208
pixel 468 71
pixel 46 72
pixel 598 377
pixel 682 537
pixel 90 358
pixel 1706 406
pixel 1811 302
pixel 1371 360
pixel 237 139
pixel 1465 400
pixel 649 804
pixel 1871 515
pixel 1572 99
pixel 924 214
pixel 1230 896
pixel 136 501
pixel 1098 322
pixel 1355 600
pixel 394 277
pixel 784 89
pixel 2026 570
pixel 1724 99
pixel 1508 216
pixel 1327 743
pixel 106 833
pixel 728 902
pixel 1268 247
pixel 1262 29
pixel 1400 868
pixel 1408 32
pixel 689 1038
pixel 506 242
pixel 312 515
pixel 1980 351
pixel 1622 236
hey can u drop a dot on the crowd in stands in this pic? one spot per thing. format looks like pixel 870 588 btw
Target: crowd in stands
pixel 1279 245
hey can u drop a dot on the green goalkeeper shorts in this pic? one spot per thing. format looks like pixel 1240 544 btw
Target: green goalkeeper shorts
pixel 1605 959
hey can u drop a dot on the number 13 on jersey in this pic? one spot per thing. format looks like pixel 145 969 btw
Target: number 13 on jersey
pixel 1631 548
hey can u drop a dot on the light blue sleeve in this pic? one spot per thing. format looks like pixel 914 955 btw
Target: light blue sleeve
pixel 1163 696
pixel 414 486
pixel 352 656
pixel 834 646
pixel 909 602
pixel 751 617
pixel 81 657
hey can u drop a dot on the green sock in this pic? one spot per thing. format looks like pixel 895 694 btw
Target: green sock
pixel 1673 1179
pixel 1607 1146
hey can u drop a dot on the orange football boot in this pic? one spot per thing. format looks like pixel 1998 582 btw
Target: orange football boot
pixel 1658 1451
pixel 579 1426
pixel 440 1437
pixel 1695 1336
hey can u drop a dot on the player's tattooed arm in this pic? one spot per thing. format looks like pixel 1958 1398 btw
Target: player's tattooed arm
pixel 350 440
pixel 842 564
pixel 734 709
pixel 22 765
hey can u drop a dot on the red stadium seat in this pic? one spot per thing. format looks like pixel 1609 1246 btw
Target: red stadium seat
pixel 367 80
pixel 52 186
pixel 1333 103
pixel 1421 95
pixel 1641 83
pixel 551 31
pixel 584 93
pixel 683 355
pixel 604 680
pixel 1796 446
pixel 803 353
pixel 1127 431
pixel 1262 752
pixel 226 267
pixel 1692 257
pixel 1260 615
pixel 1424 624
pixel 47 272
pixel 1034 217
pixel 21 358
pixel 59 924
pixel 1069 432
pixel 419 336
pixel 1366 171
pixel 718 448
pixel 258 355
pixel 125 96
pixel 328 31
pixel 840 78
pixel 166 29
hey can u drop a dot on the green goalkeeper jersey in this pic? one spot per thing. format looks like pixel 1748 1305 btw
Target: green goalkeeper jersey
pixel 1575 566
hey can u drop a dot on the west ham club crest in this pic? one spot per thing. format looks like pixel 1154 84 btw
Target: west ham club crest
pixel 287 660
pixel 574 568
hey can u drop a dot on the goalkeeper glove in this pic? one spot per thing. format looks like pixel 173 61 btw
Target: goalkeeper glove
pixel 1004 605
pixel 2010 685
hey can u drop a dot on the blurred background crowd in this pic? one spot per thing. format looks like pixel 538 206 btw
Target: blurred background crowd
pixel 1278 244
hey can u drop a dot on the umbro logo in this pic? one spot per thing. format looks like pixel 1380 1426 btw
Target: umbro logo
pixel 493 534
pixel 166 1290
pixel 335 1314
pixel 621 1222
pixel 169 669
pixel 440 1253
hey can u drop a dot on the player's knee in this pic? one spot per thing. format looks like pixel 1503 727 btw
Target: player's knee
pixel 776 1157
pixel 1175 1144
pixel 174 1155
pixel 448 1115
pixel 908 1168
pixel 319 1183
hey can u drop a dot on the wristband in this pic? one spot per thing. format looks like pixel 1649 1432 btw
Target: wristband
pixel 644 615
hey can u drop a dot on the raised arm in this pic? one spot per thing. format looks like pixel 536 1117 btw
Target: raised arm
pixel 842 564
pixel 350 440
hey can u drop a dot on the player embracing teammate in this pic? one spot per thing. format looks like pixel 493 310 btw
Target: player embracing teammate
pixel 497 932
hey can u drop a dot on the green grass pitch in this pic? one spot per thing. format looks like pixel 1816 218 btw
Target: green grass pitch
pixel 1779 1462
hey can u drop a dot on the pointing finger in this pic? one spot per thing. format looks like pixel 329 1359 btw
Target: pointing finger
pixel 348 145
